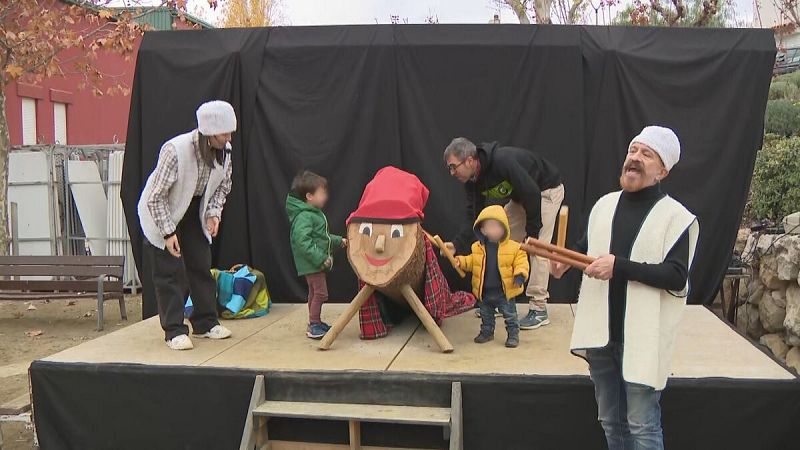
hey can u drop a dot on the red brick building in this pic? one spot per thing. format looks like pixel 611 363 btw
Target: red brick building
pixel 57 110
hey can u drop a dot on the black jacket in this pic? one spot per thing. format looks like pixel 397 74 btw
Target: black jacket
pixel 507 173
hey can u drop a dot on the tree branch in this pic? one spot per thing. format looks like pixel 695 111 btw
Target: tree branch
pixel 709 11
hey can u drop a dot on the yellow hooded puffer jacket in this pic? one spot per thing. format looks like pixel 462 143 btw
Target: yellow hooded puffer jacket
pixel 511 259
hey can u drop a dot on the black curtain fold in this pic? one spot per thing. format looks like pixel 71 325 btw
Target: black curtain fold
pixel 344 101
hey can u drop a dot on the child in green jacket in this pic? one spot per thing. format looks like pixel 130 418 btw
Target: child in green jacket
pixel 312 244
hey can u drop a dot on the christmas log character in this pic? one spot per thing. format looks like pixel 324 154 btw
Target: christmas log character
pixel 387 250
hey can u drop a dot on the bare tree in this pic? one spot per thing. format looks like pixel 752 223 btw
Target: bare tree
pixel 565 11
pixel 677 13
pixel 520 8
pixel 569 11
pixel 790 10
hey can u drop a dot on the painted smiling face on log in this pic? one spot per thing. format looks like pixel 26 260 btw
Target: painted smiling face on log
pixel 384 231
pixel 379 251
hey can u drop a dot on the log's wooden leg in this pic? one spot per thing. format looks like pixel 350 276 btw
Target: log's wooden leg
pixel 426 319
pixel 346 317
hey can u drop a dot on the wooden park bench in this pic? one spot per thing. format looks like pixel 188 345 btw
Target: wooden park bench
pixel 51 277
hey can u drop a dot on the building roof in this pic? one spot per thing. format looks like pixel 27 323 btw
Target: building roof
pixel 160 18
pixel 163 18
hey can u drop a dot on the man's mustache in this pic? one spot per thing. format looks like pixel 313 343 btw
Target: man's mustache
pixel 634 165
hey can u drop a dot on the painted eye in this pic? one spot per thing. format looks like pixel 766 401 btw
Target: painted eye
pixel 365 229
pixel 396 231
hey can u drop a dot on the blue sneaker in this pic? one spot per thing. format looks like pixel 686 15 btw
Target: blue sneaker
pixel 325 326
pixel 316 331
pixel 534 320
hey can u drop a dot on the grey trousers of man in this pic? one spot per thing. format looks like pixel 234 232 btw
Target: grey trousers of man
pixel 537 291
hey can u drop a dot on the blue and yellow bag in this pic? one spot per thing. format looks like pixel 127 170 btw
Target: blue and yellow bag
pixel 241 292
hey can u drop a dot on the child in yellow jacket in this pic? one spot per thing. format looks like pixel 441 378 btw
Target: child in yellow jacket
pixel 499 269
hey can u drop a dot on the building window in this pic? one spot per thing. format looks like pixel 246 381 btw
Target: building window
pixel 28 121
pixel 60 123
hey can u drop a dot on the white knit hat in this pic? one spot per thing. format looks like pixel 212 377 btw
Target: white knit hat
pixel 216 117
pixel 663 141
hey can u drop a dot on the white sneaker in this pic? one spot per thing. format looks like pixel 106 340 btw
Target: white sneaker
pixel 180 342
pixel 218 332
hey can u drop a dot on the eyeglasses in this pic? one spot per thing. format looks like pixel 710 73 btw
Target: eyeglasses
pixel 452 167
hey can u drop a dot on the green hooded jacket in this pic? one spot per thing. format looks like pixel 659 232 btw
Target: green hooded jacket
pixel 312 244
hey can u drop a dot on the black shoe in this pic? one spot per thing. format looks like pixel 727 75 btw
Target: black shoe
pixel 483 338
pixel 512 341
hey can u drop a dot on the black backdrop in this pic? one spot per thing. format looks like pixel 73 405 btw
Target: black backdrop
pixel 344 101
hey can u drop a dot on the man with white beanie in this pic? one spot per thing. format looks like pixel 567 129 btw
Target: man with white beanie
pixel 633 295
pixel 179 212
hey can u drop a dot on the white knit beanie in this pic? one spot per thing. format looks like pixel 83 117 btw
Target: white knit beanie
pixel 216 117
pixel 663 141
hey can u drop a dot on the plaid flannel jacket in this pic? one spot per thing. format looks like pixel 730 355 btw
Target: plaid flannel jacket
pixel 166 174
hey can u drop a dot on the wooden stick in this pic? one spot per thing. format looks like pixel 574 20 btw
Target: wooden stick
pixel 561 251
pixel 437 241
pixel 426 319
pixel 581 265
pixel 346 317
pixel 563 217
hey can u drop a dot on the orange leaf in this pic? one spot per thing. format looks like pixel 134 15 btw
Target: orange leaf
pixel 14 70
pixel 105 14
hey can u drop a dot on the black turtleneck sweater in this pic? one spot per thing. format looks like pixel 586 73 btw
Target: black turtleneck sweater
pixel 671 274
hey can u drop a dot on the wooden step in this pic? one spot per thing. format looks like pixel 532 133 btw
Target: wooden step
pixel 417 415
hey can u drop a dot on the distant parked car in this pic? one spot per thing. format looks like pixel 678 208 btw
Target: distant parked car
pixel 787 60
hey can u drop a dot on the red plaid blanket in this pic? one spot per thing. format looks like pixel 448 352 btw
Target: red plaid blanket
pixel 439 300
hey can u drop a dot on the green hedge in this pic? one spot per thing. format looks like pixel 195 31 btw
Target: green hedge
pixel 775 189
pixel 784 90
pixel 782 117
pixel 793 78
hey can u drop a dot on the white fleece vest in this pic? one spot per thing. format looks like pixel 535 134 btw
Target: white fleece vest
pixel 651 315
pixel 181 193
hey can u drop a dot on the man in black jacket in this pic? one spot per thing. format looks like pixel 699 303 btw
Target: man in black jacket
pixel 530 188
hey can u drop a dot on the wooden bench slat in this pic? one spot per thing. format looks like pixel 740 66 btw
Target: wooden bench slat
pixel 58 270
pixel 27 296
pixel 58 286
pixel 16 406
pixel 417 415
pixel 63 260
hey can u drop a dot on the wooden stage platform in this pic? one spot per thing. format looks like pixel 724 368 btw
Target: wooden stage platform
pixel 706 347
pixel 719 380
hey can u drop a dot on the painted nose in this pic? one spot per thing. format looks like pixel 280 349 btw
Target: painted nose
pixel 379 243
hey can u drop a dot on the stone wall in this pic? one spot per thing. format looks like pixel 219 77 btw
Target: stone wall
pixel 769 304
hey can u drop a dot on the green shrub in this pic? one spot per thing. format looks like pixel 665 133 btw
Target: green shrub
pixel 783 90
pixel 775 189
pixel 782 117
pixel 793 78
